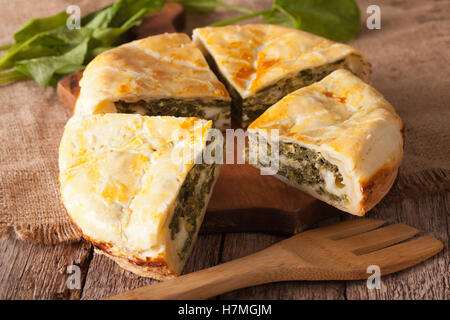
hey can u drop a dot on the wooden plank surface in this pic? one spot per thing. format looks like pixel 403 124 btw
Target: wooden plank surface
pixel 429 280
pixel 37 271
pixel 30 271
pixel 105 278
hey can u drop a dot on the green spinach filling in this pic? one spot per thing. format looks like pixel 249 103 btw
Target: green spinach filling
pixel 176 107
pixel 303 166
pixel 308 165
pixel 245 111
pixel 254 106
pixel 191 200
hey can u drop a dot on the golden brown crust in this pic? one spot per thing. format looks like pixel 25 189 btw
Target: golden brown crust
pixel 380 183
pixel 158 271
pixel 254 56
pixel 161 66
pixel 152 268
pixel 376 188
pixel 352 126
pixel 120 200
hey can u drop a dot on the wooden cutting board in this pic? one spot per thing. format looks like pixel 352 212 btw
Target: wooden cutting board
pixel 242 200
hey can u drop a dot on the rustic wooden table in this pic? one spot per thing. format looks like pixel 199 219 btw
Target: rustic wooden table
pixel 30 271
pixel 33 271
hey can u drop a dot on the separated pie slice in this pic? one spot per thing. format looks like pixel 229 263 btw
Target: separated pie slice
pixel 163 75
pixel 260 64
pixel 131 185
pixel 339 140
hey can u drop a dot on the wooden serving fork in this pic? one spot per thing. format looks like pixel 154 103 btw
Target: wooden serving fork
pixel 338 252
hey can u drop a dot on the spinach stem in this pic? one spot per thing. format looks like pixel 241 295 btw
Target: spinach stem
pixel 11 76
pixel 5 47
pixel 235 8
pixel 287 14
pixel 239 18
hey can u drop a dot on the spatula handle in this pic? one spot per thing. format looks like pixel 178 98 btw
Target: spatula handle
pixel 258 268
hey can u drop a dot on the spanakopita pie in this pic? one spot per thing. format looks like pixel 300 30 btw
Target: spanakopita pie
pixel 163 75
pixel 261 63
pixel 131 186
pixel 339 140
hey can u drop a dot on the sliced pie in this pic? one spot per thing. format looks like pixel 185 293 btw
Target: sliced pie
pixel 132 187
pixel 163 75
pixel 260 63
pixel 338 140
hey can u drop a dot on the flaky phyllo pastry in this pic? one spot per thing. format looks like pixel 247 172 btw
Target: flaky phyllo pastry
pixel 131 186
pixel 339 140
pixel 261 63
pixel 131 179
pixel 160 75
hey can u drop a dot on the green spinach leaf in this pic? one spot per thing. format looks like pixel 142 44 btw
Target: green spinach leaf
pixel 45 48
pixel 38 25
pixel 209 6
pixel 43 69
pixel 338 20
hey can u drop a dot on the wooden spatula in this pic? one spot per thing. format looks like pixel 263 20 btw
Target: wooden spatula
pixel 338 252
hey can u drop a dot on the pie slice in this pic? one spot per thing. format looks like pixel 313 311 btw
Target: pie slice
pixel 339 140
pixel 261 63
pixel 163 75
pixel 132 187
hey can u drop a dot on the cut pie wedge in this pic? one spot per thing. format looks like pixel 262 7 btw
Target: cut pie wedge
pixel 163 75
pixel 261 63
pixel 136 188
pixel 339 140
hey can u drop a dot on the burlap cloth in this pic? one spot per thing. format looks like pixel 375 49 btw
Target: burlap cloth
pixel 410 57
